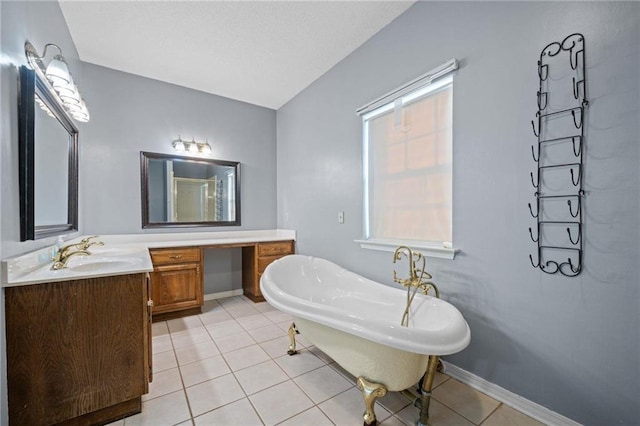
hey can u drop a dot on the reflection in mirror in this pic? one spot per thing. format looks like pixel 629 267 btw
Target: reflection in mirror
pixel 48 143
pixel 51 171
pixel 186 191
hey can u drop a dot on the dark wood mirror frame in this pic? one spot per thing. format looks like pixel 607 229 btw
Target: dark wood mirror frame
pixel 146 157
pixel 30 85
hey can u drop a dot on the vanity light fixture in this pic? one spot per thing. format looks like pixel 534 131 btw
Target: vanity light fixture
pixel 59 78
pixel 192 147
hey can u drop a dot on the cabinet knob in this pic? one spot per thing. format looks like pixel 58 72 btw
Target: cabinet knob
pixel 175 256
pixel 150 303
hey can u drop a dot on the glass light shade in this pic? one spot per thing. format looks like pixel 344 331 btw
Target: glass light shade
pixel 83 118
pixel 178 145
pixel 193 147
pixel 58 71
pixel 68 89
pixel 72 98
pixel 205 148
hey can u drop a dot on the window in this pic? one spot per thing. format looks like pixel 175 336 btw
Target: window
pixel 408 169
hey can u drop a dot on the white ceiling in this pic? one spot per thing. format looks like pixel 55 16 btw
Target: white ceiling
pixel 261 52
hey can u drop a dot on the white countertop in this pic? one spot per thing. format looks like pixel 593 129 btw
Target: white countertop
pixel 121 254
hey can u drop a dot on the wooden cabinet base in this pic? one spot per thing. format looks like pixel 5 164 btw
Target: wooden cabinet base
pixel 77 349
pixel 107 415
pixel 255 260
pixel 176 314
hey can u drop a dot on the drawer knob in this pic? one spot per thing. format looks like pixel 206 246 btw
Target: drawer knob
pixel 175 256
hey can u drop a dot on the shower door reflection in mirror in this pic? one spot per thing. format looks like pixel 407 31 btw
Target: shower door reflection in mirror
pixel 188 191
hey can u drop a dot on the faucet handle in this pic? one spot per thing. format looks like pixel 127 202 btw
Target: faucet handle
pixel 86 240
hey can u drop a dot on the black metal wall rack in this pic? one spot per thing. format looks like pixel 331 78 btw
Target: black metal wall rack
pixel 559 128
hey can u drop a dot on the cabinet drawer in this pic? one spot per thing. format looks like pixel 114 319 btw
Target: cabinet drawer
pixel 277 248
pixel 263 262
pixel 175 255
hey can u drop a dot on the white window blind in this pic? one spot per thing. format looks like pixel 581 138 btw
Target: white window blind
pixel 408 167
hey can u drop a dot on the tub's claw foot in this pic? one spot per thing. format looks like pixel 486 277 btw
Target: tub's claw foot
pixel 292 337
pixel 370 392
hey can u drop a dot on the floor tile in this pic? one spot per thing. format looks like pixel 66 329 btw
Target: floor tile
pixel 284 325
pixel 224 329
pixel 277 316
pixel 264 334
pixel 159 329
pixel 439 415
pixel 507 416
pixel 166 410
pixel 230 301
pixel 439 379
pixel 235 341
pixel 263 307
pixel 197 352
pixel 163 383
pixel 215 316
pixel 300 363
pixel 164 361
pixel 190 337
pixel 203 370
pixel 394 401
pixel 209 395
pixel 317 352
pixel 464 400
pixel 312 416
pixel 260 376
pixel 322 384
pixel 393 421
pixel 184 323
pixel 276 347
pixel 239 413
pixel 347 408
pixel 254 321
pixel 161 344
pixel 280 402
pixel 240 311
pixel 343 372
pixel 245 357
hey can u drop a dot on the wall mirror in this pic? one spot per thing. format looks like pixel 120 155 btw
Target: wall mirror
pixel 182 191
pixel 48 161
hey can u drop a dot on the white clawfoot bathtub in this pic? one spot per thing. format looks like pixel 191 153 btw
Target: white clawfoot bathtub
pixel 356 321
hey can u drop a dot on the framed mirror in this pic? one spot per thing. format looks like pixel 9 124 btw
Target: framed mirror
pixel 48 161
pixel 182 191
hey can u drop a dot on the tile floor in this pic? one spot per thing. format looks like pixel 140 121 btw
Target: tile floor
pixel 228 366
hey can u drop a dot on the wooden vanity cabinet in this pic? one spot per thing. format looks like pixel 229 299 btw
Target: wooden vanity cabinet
pixel 176 282
pixel 255 259
pixel 78 352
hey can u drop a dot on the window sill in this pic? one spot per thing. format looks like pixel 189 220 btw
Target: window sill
pixel 427 250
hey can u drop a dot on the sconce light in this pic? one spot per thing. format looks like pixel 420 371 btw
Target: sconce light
pixel 192 147
pixel 59 78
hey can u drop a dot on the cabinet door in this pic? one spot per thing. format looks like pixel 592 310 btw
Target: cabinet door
pixel 176 287
pixel 75 348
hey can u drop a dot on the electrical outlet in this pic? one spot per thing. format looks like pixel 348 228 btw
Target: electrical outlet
pixel 340 217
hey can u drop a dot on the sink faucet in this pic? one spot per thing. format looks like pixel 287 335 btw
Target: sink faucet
pixel 83 245
pixel 62 260
pixel 416 280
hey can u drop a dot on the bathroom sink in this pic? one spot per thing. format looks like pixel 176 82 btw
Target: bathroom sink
pixel 102 264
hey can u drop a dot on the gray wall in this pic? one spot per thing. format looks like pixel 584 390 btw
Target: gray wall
pixel 40 23
pixel 569 344
pixel 130 114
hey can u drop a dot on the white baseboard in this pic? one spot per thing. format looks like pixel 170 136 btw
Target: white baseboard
pixel 223 294
pixel 509 398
